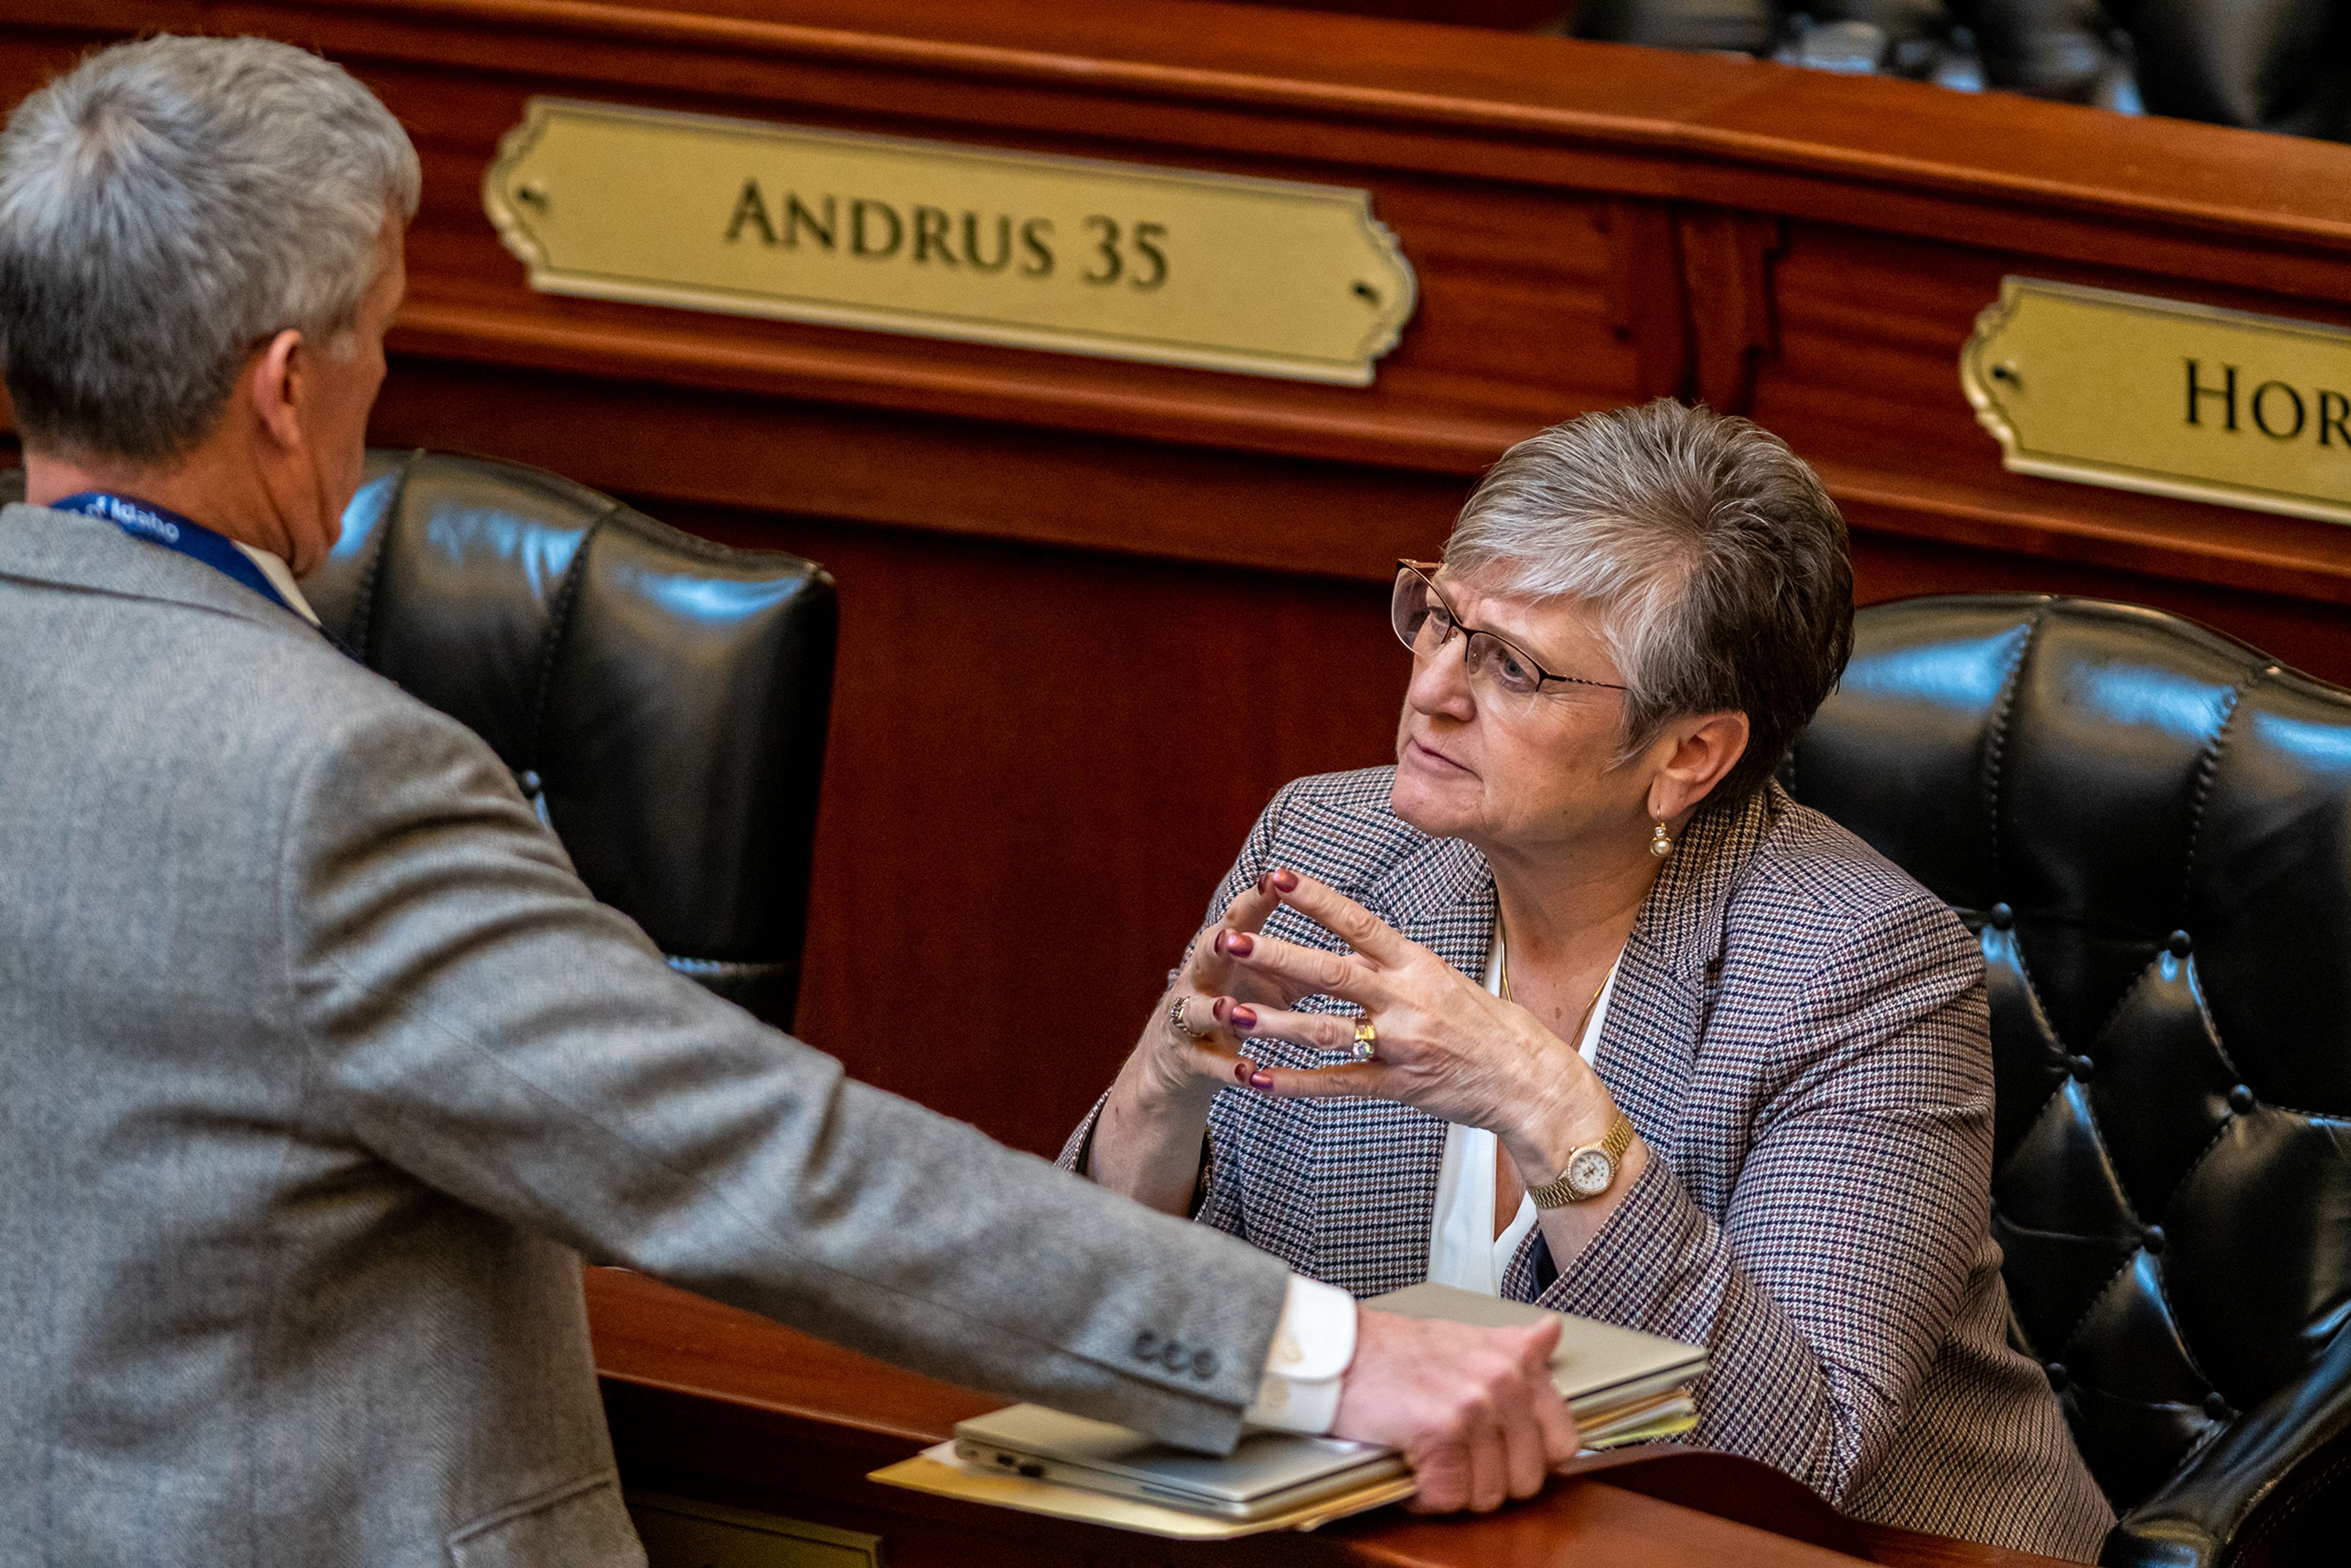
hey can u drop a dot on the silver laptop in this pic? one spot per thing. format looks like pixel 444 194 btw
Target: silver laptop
pixel 1269 1473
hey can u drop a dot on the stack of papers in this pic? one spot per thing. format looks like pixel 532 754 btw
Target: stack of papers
pixel 1668 1415
pixel 1621 1386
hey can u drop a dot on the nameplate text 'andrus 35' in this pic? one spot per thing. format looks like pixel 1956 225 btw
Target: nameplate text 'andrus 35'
pixel 2165 396
pixel 1170 266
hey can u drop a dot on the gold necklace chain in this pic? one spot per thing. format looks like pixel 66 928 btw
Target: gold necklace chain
pixel 1580 1024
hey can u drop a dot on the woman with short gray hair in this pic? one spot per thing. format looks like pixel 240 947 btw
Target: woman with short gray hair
pixel 1574 1005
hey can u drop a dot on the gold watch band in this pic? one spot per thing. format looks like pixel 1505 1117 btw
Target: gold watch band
pixel 1562 1191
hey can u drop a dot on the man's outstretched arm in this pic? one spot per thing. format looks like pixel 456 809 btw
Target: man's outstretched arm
pixel 481 1022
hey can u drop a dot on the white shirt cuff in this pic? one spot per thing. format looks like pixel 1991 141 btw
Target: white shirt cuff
pixel 1313 1345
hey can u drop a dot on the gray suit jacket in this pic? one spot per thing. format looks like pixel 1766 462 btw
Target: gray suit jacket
pixel 320 1070
pixel 1798 1031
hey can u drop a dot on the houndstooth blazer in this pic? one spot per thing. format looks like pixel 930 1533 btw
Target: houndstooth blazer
pixel 1798 1032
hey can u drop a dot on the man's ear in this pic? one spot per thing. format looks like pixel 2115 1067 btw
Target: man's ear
pixel 1697 753
pixel 275 381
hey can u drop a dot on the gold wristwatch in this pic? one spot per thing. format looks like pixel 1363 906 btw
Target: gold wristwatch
pixel 1591 1170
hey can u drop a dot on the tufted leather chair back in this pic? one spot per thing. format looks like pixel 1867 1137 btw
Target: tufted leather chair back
pixel 662 699
pixel 2150 826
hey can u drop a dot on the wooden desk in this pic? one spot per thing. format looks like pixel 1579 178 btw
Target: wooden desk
pixel 1094 613
pixel 717 1405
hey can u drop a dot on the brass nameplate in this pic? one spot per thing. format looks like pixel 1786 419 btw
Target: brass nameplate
pixel 2166 397
pixel 1171 265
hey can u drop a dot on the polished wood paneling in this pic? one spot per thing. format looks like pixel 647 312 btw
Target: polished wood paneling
pixel 1515 15
pixel 1093 613
pixel 677 448
pixel 1042 762
pixel 1496 159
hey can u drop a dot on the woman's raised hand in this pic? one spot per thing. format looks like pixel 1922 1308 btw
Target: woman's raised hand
pixel 1442 1043
pixel 1147 1141
pixel 1190 1047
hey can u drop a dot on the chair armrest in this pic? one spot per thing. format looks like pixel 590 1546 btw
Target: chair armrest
pixel 2279 1473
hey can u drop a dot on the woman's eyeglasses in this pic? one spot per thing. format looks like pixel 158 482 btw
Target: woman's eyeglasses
pixel 1425 623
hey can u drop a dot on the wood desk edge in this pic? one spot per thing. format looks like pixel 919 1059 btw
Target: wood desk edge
pixel 653 1336
pixel 1373 70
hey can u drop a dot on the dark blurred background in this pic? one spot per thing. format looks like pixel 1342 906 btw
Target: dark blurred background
pixel 2264 65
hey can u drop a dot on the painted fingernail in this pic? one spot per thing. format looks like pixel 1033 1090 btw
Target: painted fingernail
pixel 1244 1017
pixel 1243 1069
pixel 1286 881
pixel 1217 1008
pixel 1264 881
pixel 1239 943
pixel 1260 1081
pixel 1222 937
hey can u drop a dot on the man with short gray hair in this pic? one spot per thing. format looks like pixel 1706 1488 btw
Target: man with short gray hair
pixel 318 1066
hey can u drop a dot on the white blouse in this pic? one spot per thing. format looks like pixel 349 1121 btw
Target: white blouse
pixel 1463 1250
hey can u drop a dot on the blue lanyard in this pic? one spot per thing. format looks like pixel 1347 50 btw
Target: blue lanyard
pixel 157 526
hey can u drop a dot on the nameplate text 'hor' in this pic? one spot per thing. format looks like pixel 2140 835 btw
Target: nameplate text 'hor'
pixel 2165 396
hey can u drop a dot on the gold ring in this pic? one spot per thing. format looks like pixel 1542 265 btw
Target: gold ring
pixel 1367 1040
pixel 1182 1020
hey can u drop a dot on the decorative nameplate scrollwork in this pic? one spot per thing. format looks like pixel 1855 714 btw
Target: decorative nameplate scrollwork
pixel 2165 396
pixel 1079 256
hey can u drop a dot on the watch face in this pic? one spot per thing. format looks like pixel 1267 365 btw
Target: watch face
pixel 1589 1172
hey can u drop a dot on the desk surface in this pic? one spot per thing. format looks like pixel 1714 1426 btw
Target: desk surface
pixel 711 1402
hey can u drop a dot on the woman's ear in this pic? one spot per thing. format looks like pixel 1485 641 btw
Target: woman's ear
pixel 1697 752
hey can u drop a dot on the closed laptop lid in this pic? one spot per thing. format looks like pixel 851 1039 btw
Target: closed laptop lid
pixel 1263 1464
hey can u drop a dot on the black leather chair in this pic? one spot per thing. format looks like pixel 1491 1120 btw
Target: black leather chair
pixel 2264 65
pixel 660 698
pixel 2048 49
pixel 2149 825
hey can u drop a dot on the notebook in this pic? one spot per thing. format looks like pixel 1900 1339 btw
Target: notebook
pixel 1602 1371
pixel 1622 1386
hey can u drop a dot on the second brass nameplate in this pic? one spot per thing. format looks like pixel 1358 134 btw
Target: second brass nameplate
pixel 2165 396
pixel 1219 271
